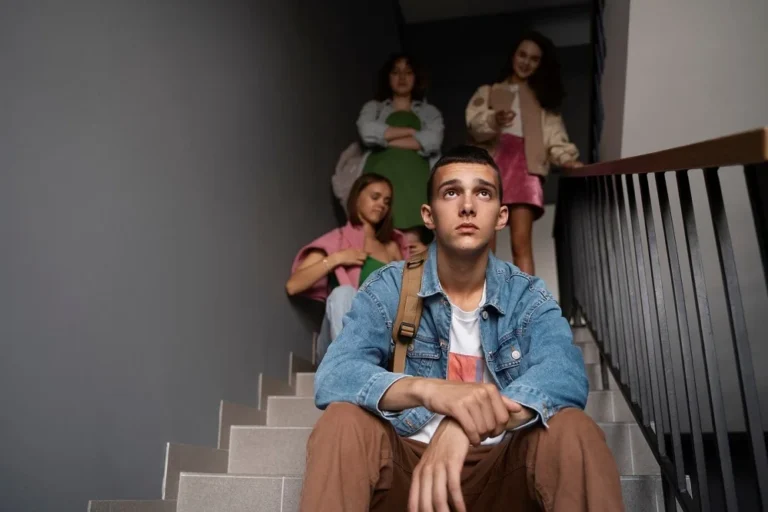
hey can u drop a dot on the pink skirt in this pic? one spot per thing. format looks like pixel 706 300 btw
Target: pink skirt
pixel 519 187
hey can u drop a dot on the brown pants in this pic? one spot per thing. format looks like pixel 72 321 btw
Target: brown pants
pixel 357 462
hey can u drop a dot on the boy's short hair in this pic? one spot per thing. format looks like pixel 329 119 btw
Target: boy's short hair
pixel 464 154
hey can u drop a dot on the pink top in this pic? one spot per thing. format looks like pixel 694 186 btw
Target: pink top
pixel 339 239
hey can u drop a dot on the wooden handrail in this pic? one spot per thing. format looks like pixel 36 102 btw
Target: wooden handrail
pixel 742 148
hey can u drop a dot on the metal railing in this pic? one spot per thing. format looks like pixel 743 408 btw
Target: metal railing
pixel 641 288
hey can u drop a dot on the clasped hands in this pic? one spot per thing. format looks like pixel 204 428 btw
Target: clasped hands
pixel 474 412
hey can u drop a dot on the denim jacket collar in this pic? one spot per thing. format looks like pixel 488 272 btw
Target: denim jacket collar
pixel 494 280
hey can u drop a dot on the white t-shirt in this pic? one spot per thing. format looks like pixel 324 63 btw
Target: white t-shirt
pixel 516 128
pixel 465 362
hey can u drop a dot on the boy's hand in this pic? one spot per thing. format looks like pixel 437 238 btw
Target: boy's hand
pixel 519 418
pixel 480 409
pixel 437 476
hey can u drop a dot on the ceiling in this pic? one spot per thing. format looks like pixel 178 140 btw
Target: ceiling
pixel 417 11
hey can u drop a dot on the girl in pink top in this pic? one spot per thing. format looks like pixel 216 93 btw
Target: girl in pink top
pixel 332 267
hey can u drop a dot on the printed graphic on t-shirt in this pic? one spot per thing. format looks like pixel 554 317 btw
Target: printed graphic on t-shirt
pixel 465 368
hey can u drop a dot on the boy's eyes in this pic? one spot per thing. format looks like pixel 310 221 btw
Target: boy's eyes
pixel 482 193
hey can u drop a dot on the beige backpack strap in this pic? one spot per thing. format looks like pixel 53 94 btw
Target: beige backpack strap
pixel 408 310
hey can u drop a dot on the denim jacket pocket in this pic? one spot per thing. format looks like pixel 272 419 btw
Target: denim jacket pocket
pixel 422 358
pixel 505 361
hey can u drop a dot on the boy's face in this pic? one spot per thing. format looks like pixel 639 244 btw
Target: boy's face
pixel 414 244
pixel 466 209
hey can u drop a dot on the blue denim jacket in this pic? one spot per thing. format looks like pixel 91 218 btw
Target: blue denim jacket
pixel 527 342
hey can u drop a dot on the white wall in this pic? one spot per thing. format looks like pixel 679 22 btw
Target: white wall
pixel 543 249
pixel 695 70
pixel 616 29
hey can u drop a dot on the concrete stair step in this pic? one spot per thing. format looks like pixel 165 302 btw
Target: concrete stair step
pixel 270 451
pixel 582 335
pixel 238 493
pixel 270 386
pixel 304 382
pixel 300 411
pixel 595 377
pixel 132 506
pixel 247 493
pixel 185 457
pixel 297 364
pixel 237 414
pixel 589 351
pixel 608 406
pixel 292 411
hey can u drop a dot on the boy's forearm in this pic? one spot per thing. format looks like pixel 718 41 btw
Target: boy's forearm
pixel 404 394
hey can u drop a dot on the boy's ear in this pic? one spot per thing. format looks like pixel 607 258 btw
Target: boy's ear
pixel 503 218
pixel 426 216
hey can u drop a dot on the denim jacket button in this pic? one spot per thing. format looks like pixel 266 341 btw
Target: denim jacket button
pixel 410 347
pixel 516 354
pixel 484 315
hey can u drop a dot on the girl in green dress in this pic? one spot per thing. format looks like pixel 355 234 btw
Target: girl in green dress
pixel 403 134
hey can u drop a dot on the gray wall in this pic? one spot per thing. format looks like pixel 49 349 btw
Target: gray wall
pixel 697 70
pixel 614 79
pixel 160 164
pixel 457 67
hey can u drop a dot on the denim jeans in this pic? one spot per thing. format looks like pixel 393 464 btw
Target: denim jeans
pixel 337 305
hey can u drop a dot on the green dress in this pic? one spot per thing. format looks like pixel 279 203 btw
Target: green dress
pixel 370 265
pixel 406 169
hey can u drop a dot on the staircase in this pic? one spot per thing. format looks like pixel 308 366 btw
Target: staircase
pixel 259 462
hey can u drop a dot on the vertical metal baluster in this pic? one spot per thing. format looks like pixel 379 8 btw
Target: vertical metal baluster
pixel 661 312
pixel 647 313
pixel 620 359
pixel 666 356
pixel 596 252
pixel 670 505
pixel 746 373
pixel 591 254
pixel 757 186
pixel 630 369
pixel 566 267
pixel 689 386
pixel 585 298
pixel 714 391
pixel 629 258
pixel 609 337
pixel 561 231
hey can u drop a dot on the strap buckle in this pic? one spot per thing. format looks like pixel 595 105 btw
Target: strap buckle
pixel 406 330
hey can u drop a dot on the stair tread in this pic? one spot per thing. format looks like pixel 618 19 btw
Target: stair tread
pixel 186 457
pixel 132 506
pixel 274 451
pixel 201 492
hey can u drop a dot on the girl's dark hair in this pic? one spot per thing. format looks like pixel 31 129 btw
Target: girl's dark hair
pixel 385 228
pixel 545 82
pixel 424 233
pixel 384 91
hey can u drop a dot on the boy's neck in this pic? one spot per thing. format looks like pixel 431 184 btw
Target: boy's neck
pixel 462 276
